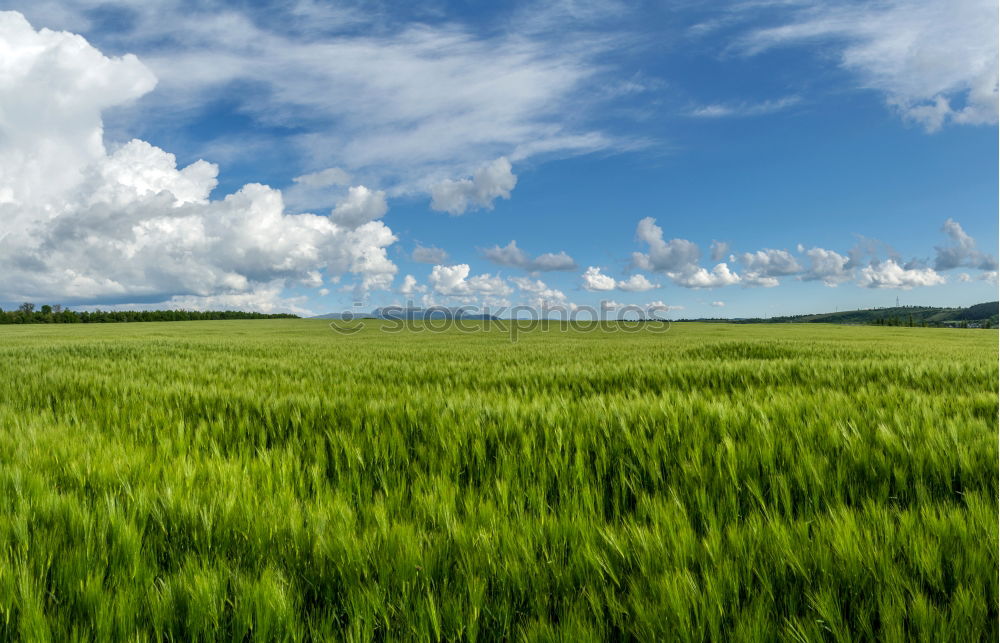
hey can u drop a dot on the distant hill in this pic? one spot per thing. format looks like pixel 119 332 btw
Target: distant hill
pixel 928 315
pixel 980 311
pixel 980 314
pixel 396 312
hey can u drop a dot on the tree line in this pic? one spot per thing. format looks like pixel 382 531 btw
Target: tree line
pixel 964 323
pixel 27 313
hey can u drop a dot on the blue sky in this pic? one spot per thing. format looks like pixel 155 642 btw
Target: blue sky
pixel 723 159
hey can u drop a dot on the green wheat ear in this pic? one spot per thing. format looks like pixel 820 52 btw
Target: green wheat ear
pixel 274 481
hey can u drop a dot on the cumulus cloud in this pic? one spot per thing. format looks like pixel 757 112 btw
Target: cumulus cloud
pixel 429 254
pixel 676 255
pixel 317 190
pixel 762 268
pixel 263 298
pixel 492 181
pixel 47 144
pixel 889 274
pixel 750 279
pixel 962 251
pixel 83 225
pixel 659 306
pixel 718 277
pixel 827 266
pixel 935 62
pixel 596 281
pixel 636 283
pixel 539 294
pixel 678 259
pixel 511 255
pixel 410 286
pixel 719 250
pixel 717 304
pixel 454 281
pixel 771 263
pixel 361 206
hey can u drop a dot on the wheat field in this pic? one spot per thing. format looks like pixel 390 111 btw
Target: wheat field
pixel 276 480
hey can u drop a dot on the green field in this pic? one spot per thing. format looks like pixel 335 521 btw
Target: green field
pixel 274 480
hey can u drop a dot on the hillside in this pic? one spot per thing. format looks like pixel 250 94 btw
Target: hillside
pixel 919 315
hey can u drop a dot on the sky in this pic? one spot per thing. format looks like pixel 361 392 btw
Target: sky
pixel 701 159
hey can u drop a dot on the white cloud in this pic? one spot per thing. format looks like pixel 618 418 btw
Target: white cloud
pixel 765 266
pixel 317 190
pixel 719 249
pixel 744 109
pixel 962 252
pixel 827 266
pixel 361 206
pixel 719 276
pixel 82 225
pixel 264 298
pixel 490 182
pixel 540 294
pixel 934 61
pixel 454 281
pixel 678 259
pixel 410 286
pixel 676 255
pixel 770 263
pixel 403 104
pixel 750 279
pixel 46 143
pixel 889 274
pixel 660 306
pixel 324 178
pixel 990 276
pixel 429 254
pixel 965 277
pixel 636 283
pixel 511 255
pixel 595 281
pixel 718 304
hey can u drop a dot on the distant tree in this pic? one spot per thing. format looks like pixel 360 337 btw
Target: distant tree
pixel 27 308
pixel 46 309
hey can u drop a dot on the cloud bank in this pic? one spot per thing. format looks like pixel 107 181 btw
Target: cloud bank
pixel 679 259
pixel 82 224
pixel 596 281
pixel 513 256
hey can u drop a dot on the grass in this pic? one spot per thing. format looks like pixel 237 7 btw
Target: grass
pixel 273 480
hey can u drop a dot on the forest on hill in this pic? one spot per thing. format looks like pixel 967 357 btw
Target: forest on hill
pixel 979 316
